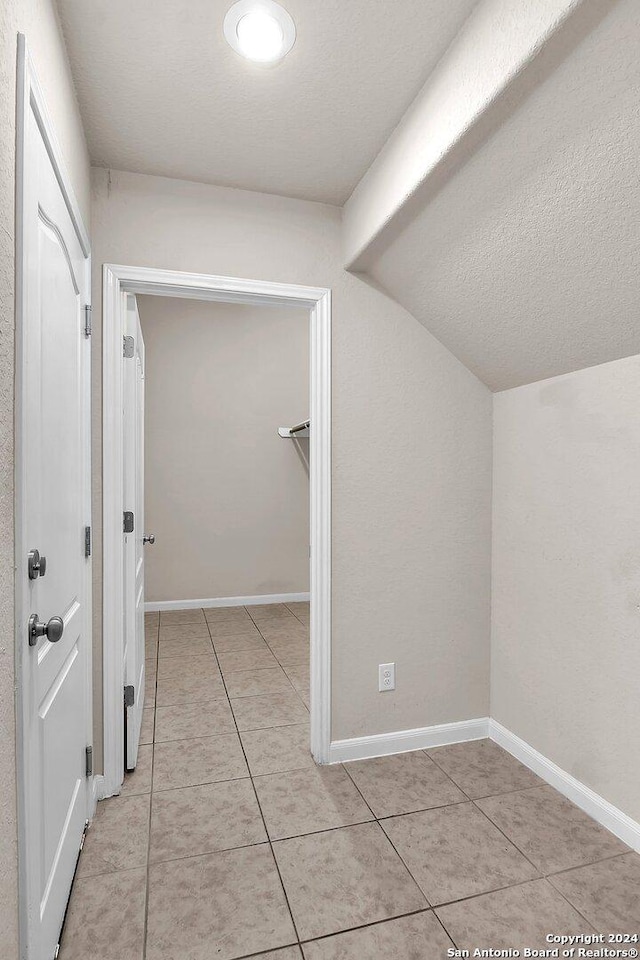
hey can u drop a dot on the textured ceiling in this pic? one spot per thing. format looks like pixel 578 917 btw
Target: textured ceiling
pixel 161 92
pixel 525 262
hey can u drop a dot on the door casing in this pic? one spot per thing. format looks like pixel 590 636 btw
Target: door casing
pixel 118 281
pixel 30 99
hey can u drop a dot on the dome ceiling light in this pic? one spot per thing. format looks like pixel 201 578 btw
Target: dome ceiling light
pixel 259 30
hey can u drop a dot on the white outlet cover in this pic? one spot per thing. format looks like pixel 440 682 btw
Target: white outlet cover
pixel 386 677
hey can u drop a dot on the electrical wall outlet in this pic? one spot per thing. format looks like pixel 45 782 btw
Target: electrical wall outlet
pixel 386 677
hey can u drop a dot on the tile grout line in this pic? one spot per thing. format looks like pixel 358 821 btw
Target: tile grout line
pixel 277 866
pixel 508 839
pixel 281 666
pixel 428 905
pixel 402 860
pixel 410 813
pixel 589 863
pixel 214 736
pixel 293 836
pixel 488 893
pixel 373 923
pixel 434 907
pixel 427 752
pixel 541 874
pixel 338 933
pixel 255 793
pixel 288 606
pixel 566 900
pixel 431 751
pixel 274 655
pixel 207 853
pixel 312 833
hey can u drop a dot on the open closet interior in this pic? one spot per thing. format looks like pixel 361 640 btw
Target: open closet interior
pixel 227 500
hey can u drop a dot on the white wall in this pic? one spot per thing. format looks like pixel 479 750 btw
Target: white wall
pixel 520 256
pixel 226 497
pixel 566 574
pixel 493 47
pixel 37 19
pixel 411 447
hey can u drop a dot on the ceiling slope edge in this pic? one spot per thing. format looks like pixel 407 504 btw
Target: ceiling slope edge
pixel 503 51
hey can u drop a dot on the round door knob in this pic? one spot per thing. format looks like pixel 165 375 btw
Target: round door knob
pixel 52 629
pixel 149 538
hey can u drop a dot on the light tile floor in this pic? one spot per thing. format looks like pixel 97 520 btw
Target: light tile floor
pixel 229 842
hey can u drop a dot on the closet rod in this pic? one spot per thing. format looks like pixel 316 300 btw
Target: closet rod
pixel 292 431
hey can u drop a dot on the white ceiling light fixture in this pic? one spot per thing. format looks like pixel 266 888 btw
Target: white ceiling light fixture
pixel 259 30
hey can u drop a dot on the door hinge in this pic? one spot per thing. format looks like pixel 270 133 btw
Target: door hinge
pixel 87 319
pixel 127 521
pixel 84 835
pixel 128 347
pixel 88 761
pixel 129 695
pixel 87 541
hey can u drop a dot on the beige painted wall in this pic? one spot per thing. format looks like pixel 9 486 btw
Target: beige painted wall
pixel 37 20
pixel 411 447
pixel 566 574
pixel 226 497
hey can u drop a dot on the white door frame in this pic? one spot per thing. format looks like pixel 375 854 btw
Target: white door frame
pixel 118 281
pixel 31 98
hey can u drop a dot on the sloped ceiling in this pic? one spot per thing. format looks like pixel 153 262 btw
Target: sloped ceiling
pixel 525 262
pixel 521 256
pixel 161 92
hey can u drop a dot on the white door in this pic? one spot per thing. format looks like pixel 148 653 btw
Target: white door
pixel 54 508
pixel 133 413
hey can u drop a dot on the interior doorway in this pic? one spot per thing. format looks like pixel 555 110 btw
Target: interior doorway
pixel 227 498
pixel 122 594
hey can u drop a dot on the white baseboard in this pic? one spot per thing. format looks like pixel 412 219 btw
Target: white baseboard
pixel 422 738
pixel 601 810
pixel 154 605
pixel 97 793
pixel 383 744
